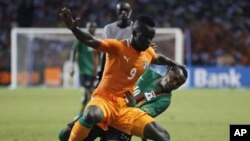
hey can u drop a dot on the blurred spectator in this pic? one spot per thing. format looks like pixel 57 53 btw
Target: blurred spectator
pixel 25 13
pixel 219 29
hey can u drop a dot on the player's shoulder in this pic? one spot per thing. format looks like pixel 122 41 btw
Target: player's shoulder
pixel 113 41
pixel 151 51
pixel 151 73
pixel 113 24
pixel 112 46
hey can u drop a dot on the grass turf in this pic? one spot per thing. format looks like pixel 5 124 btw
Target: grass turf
pixel 194 115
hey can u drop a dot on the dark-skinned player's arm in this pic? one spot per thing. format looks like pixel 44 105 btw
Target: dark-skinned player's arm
pixel 132 101
pixel 163 60
pixel 71 23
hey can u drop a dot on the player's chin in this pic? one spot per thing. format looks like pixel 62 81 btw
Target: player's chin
pixel 172 87
pixel 144 47
pixel 124 17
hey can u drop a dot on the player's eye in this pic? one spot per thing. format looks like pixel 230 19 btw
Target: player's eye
pixel 124 10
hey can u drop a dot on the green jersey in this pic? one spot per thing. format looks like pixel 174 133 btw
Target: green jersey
pixel 85 58
pixel 147 100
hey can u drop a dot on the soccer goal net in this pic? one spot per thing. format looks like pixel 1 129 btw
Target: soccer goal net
pixel 39 56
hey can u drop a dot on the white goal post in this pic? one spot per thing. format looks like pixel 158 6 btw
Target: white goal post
pixel 27 42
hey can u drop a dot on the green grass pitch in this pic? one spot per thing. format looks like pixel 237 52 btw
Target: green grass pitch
pixel 194 115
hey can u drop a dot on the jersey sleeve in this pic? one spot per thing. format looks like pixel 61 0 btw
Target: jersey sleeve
pixel 152 53
pixel 111 46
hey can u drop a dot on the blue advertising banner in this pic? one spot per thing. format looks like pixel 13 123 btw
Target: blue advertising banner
pixel 219 77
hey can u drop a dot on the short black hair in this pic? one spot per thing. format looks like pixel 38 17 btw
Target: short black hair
pixel 122 2
pixel 146 19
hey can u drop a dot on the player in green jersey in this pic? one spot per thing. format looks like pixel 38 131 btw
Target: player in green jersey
pixel 153 92
pixel 87 61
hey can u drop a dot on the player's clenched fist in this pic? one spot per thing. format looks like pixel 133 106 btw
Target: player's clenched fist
pixel 67 18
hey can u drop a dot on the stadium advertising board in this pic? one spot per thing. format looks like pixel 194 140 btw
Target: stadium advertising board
pixel 219 77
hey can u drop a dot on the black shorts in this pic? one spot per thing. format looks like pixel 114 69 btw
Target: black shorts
pixel 111 134
pixel 87 81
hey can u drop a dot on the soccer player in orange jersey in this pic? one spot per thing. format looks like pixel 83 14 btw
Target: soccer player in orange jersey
pixel 126 61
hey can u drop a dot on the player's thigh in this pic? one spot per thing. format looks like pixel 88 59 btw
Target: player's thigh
pixel 132 121
pixel 140 124
pixel 104 105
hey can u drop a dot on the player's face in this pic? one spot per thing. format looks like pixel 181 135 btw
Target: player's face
pixel 172 80
pixel 123 11
pixel 142 36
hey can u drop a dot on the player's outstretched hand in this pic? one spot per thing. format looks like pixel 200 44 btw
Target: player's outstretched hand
pixel 67 18
pixel 130 100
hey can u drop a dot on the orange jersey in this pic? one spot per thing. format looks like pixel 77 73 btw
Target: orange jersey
pixel 124 65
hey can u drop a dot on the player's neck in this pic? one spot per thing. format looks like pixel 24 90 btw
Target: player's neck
pixel 133 45
pixel 123 24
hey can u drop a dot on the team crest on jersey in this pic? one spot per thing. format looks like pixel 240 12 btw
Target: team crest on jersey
pixel 149 95
pixel 145 64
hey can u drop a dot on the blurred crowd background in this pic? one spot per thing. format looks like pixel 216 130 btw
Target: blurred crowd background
pixel 219 29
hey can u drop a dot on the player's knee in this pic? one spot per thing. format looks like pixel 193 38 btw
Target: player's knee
pixel 162 135
pixel 155 132
pixel 93 115
pixel 165 135
pixel 64 134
